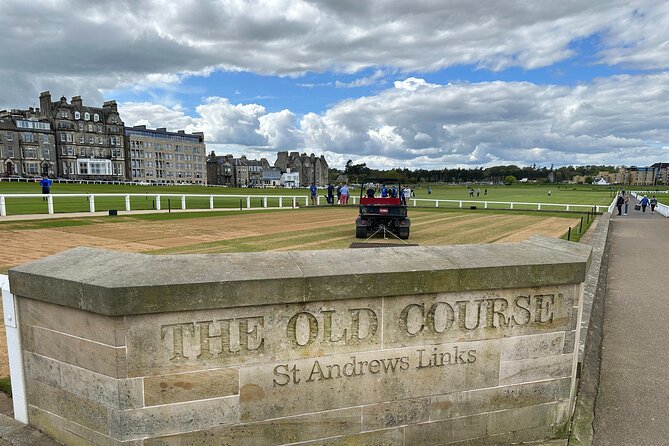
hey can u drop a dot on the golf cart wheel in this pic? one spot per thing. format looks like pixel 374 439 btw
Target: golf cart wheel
pixel 360 231
pixel 403 233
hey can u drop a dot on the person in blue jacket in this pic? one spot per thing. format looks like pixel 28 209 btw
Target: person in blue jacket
pixel 314 191
pixel 644 202
pixel 46 186
pixel 384 191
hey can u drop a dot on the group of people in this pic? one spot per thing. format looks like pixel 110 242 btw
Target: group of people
pixel 623 200
pixel 391 192
pixel 341 190
pixel 478 192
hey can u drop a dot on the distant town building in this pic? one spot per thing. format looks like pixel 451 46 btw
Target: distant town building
pixel 271 177
pixel 27 145
pixel 311 169
pixel 89 140
pixel 290 179
pixel 159 156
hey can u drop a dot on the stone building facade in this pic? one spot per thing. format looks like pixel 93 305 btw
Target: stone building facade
pixel 89 140
pixel 27 145
pixel 312 169
pixel 159 156
pixel 226 170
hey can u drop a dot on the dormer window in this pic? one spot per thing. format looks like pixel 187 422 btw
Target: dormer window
pixel 87 116
pixel 96 117
pixel 77 115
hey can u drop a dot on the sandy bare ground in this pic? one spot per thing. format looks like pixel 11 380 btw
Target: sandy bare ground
pixel 312 229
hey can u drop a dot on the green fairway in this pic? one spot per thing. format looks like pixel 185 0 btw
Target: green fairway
pixel 525 193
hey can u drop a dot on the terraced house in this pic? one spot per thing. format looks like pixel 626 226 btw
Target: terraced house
pixel 27 145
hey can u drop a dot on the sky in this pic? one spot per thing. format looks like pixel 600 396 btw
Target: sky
pixel 416 84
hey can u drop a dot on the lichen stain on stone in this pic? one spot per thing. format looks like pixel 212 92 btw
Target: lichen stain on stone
pixel 250 393
pixel 184 385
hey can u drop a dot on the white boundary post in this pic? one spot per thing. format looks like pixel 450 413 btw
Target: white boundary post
pixel 14 352
pixel 264 201
pixel 3 208
pixel 91 203
pixel 127 202
pixel 49 203
pixel 157 202
pixel 211 202
pixel 183 202
pixel 248 202
pixel 280 201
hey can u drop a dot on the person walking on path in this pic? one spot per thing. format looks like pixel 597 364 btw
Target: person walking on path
pixel 46 186
pixel 619 203
pixel 653 203
pixel 644 202
pixel 627 202
pixel 344 194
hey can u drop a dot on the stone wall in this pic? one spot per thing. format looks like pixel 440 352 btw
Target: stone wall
pixel 398 346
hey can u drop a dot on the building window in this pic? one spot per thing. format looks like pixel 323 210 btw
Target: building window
pixel 9 152
pixel 87 116
pixel 82 139
pixel 63 137
pixel 81 126
pixel 91 128
pixel 45 139
pixel 96 117
pixel 46 154
pixel 77 115
pixel 9 136
pixel 31 168
pixel 27 137
pixel 64 114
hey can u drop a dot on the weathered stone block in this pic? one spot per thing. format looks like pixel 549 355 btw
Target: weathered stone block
pixel 527 417
pixel 395 413
pixel 536 369
pixel 87 325
pixel 532 346
pixel 442 432
pixel 69 433
pixel 166 389
pixel 267 433
pixel 69 406
pixel 173 418
pixel 89 355
pixel 310 385
pixel 387 437
pixel 42 369
pixel 474 402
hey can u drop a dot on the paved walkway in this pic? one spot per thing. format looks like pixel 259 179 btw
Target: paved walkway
pixel 632 405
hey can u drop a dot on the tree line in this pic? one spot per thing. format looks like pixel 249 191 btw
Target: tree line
pixel 495 174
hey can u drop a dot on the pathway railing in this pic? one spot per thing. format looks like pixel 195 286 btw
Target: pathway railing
pixel 512 204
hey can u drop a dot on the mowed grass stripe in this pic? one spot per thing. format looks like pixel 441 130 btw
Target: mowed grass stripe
pixel 432 229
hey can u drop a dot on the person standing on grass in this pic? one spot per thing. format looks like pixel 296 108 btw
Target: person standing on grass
pixel 627 202
pixel 344 194
pixel 46 186
pixel 314 191
pixel 619 203
pixel 644 202
pixel 653 203
pixel 330 193
pixel 339 194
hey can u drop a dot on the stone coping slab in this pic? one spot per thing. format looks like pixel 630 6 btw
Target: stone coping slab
pixel 116 283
